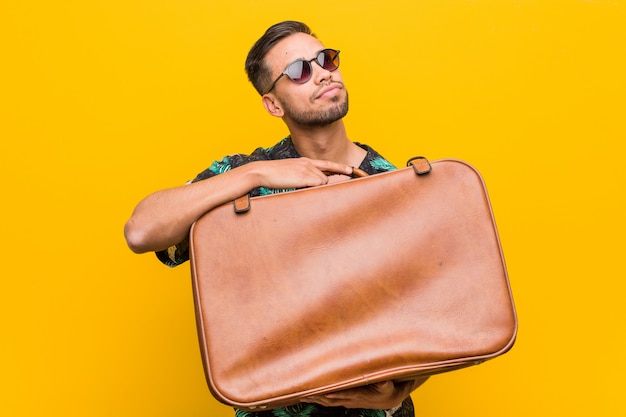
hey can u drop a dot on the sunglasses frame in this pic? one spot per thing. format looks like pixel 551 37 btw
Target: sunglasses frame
pixel 309 62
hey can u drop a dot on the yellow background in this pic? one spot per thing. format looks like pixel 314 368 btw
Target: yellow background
pixel 102 102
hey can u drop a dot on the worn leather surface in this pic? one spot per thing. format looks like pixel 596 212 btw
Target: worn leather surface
pixel 383 277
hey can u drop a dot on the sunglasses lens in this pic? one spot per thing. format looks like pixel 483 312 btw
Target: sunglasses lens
pixel 299 71
pixel 328 59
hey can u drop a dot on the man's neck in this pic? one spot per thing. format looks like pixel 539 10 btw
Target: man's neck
pixel 327 142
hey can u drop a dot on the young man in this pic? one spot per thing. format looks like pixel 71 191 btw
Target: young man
pixel 299 81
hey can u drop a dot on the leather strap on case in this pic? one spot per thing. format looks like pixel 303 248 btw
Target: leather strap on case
pixel 242 204
pixel 420 165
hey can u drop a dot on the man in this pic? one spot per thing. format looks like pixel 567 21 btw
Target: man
pixel 299 81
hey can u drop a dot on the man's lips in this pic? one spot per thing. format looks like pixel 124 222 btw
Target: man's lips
pixel 329 89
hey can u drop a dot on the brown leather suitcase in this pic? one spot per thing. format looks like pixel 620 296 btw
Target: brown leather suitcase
pixel 390 276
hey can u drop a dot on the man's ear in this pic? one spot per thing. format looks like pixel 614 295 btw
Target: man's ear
pixel 272 105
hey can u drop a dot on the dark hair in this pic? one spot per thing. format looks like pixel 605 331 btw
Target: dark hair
pixel 259 73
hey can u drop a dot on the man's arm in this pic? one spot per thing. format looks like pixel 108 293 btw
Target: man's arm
pixel 164 218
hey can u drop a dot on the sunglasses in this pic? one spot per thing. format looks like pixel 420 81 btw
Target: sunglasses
pixel 300 71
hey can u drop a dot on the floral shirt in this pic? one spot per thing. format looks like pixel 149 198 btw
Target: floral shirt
pixel 373 163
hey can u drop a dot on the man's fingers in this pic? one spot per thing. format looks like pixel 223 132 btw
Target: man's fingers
pixel 330 168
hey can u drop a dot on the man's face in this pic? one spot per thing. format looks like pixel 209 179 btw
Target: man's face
pixel 321 100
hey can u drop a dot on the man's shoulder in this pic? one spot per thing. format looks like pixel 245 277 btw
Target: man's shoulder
pixel 283 149
pixel 374 162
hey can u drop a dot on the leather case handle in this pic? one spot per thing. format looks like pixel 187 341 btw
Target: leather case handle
pixel 420 165
pixel 358 173
pixel 242 204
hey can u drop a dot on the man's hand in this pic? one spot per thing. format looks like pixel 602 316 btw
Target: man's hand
pixel 380 396
pixel 297 172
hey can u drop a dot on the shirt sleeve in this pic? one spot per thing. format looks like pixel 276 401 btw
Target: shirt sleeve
pixel 175 255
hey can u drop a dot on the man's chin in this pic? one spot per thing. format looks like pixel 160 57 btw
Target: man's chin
pixel 337 109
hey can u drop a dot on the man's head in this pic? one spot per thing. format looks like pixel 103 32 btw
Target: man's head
pixel 259 73
pixel 297 76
